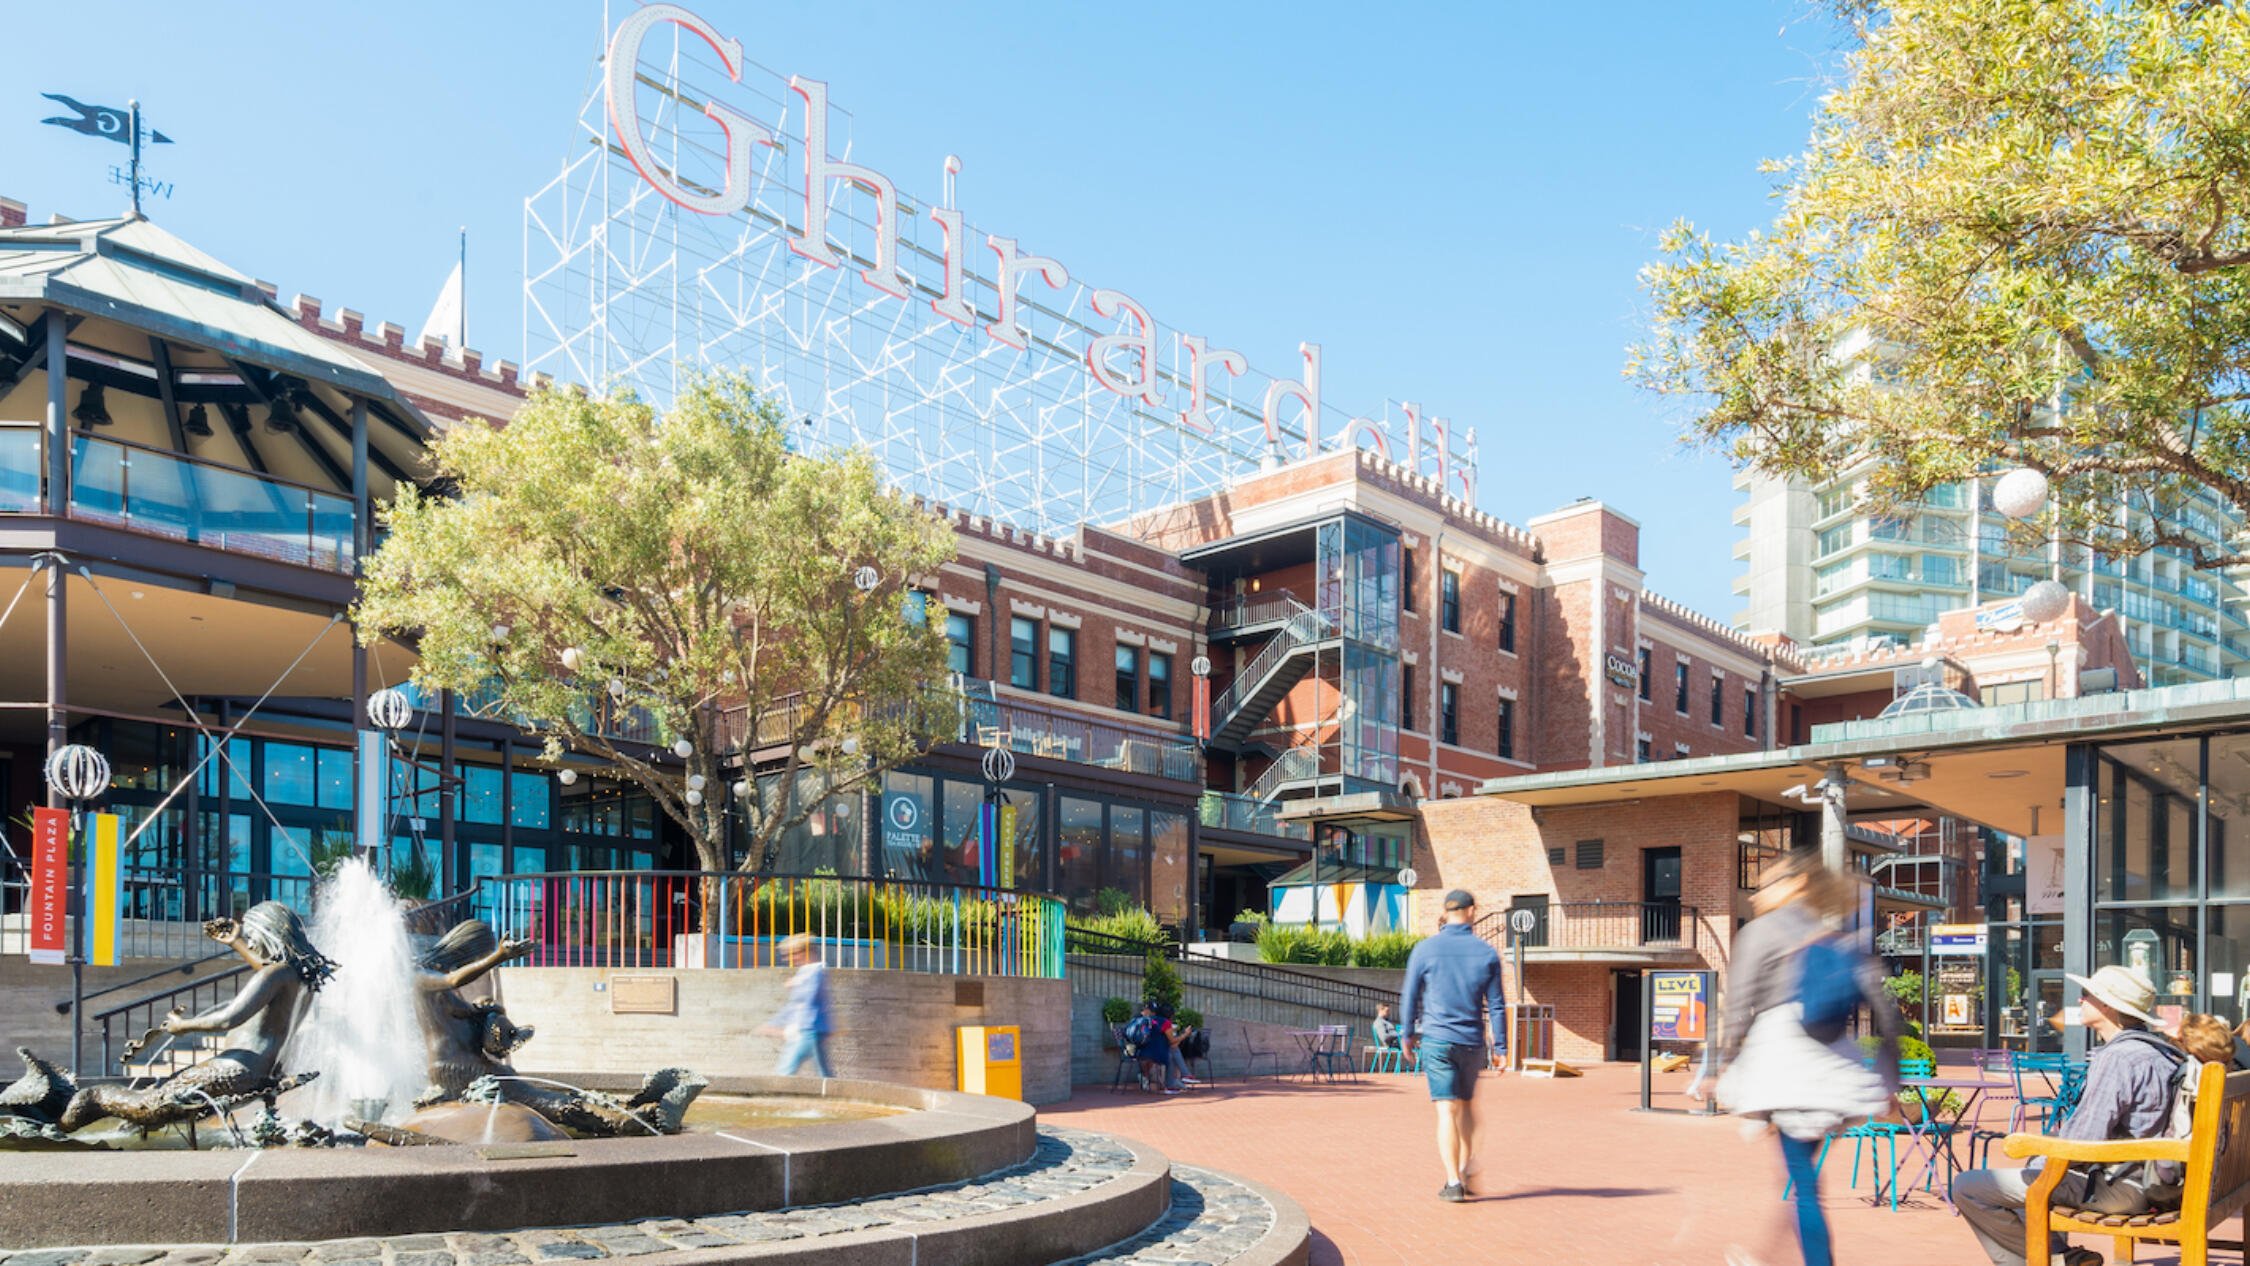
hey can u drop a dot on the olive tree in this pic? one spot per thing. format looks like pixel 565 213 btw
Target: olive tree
pixel 618 581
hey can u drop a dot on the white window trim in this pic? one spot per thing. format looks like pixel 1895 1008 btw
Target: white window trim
pixel 1065 621
pixel 964 606
pixel 1132 638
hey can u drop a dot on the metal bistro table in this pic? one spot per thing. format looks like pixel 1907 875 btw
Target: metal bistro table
pixel 1935 1132
pixel 1314 1043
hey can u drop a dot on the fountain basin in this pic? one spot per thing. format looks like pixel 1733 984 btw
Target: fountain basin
pixel 218 1197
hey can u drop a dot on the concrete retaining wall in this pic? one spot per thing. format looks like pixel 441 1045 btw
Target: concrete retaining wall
pixel 29 992
pixel 895 1026
pixel 1094 1058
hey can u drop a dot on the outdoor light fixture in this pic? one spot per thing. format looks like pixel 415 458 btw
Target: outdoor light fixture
pixel 697 782
pixel 851 747
pixel 280 418
pixel 567 777
pixel 499 632
pixel 694 798
pixel 78 772
pixel 198 421
pixel 389 709
pixel 91 410
pixel 865 579
pixel 2045 601
pixel 572 658
pixel 742 789
pixel 2020 493
pixel 683 749
pixel 617 688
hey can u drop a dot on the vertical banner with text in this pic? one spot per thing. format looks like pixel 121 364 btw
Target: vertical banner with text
pixel 1007 845
pixel 50 883
pixel 105 888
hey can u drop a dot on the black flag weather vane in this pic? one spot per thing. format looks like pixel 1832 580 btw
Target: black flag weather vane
pixel 122 126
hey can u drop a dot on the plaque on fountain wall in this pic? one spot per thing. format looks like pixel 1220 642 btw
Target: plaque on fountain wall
pixel 643 995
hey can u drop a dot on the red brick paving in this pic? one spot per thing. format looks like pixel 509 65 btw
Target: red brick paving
pixel 1570 1175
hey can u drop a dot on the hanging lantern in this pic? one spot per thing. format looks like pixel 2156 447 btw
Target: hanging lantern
pixel 742 789
pixel 2045 601
pixel 851 747
pixel 500 632
pixel 78 772
pixel 572 658
pixel 866 578
pixel 389 709
pixel 567 777
pixel 697 782
pixel 2020 493
pixel 683 749
pixel 617 688
pixel 694 798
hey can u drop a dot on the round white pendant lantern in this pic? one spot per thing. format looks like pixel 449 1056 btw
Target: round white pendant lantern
pixel 697 782
pixel 683 749
pixel 78 772
pixel 572 657
pixel 389 709
pixel 2020 493
pixel 694 798
pixel 567 777
pixel 2045 601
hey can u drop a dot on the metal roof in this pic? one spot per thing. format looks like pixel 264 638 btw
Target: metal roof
pixel 130 271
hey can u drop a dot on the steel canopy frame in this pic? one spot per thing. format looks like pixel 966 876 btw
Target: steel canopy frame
pixel 623 288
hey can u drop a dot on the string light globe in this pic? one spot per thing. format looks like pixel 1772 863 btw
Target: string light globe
pixel 697 782
pixel 389 709
pixel 2020 493
pixel 683 749
pixel 572 658
pixel 78 772
pixel 2045 601
pixel 567 777
pixel 694 798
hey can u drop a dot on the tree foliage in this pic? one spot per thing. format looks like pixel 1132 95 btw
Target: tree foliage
pixel 2017 236
pixel 703 578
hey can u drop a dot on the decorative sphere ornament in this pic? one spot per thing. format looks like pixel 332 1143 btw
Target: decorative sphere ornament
pixel 694 797
pixel 567 777
pixel 697 782
pixel 617 687
pixel 742 789
pixel 2045 601
pixel 78 772
pixel 2020 493
pixel 851 747
pixel 866 578
pixel 572 658
pixel 683 749
pixel 389 709
pixel 1200 666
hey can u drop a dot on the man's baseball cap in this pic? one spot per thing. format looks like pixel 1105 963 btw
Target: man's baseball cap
pixel 1459 899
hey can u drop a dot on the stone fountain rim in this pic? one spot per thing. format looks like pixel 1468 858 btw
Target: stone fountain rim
pixel 228 1196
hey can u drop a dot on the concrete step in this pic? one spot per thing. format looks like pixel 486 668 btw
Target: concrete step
pixel 1215 1218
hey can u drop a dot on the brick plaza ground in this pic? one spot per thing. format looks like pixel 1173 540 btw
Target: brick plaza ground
pixel 1570 1174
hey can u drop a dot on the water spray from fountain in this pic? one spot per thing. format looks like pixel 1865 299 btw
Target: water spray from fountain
pixel 361 1032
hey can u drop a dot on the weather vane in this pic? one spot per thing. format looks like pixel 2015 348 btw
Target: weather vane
pixel 122 126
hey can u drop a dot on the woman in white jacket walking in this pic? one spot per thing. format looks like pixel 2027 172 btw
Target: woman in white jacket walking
pixel 1802 1083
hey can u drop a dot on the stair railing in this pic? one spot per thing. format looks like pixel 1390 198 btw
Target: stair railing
pixel 1303 627
pixel 1294 765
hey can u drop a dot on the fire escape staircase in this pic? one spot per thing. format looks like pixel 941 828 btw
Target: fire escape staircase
pixel 1299 633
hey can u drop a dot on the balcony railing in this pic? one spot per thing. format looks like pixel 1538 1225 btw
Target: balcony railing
pixel 1601 926
pixel 1230 812
pixel 1076 737
pixel 1248 611
pixel 184 498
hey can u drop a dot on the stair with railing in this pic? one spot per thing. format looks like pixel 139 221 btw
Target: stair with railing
pixel 1103 966
pixel 1300 763
pixel 1279 665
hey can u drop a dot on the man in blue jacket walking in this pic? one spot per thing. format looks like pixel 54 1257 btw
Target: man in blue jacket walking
pixel 1453 1006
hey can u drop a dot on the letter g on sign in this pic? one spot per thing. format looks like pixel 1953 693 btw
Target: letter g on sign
pixel 618 77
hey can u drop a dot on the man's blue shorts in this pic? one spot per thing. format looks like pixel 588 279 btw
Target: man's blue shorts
pixel 1452 1068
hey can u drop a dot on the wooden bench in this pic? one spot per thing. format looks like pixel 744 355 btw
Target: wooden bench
pixel 2216 1154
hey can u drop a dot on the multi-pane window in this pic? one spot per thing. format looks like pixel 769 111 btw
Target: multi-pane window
pixel 1749 713
pixel 1160 685
pixel 1062 662
pixel 1449 712
pixel 1648 671
pixel 1642 753
pixel 960 642
pixel 1507 622
pixel 1449 600
pixel 1406 580
pixel 1718 700
pixel 1023 653
pixel 1679 685
pixel 1406 697
pixel 1507 745
pixel 1128 678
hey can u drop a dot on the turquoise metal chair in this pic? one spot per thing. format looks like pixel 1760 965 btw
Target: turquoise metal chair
pixel 2043 1098
pixel 1875 1137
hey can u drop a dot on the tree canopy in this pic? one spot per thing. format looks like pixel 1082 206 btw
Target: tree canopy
pixel 615 580
pixel 2016 237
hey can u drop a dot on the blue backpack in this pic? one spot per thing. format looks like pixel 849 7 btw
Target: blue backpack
pixel 1827 988
pixel 1139 1031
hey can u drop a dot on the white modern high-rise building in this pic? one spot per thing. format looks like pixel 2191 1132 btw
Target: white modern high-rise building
pixel 1827 570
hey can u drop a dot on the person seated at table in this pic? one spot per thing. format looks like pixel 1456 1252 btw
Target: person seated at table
pixel 2127 1095
pixel 1386 1029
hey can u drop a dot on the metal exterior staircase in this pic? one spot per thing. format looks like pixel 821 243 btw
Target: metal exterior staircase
pixel 1279 665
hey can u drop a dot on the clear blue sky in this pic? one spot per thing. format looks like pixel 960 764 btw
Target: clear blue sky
pixel 1452 199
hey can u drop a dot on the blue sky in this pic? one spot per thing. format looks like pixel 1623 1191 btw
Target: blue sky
pixel 1452 199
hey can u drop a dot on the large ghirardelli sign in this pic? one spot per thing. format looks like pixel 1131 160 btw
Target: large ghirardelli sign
pixel 986 286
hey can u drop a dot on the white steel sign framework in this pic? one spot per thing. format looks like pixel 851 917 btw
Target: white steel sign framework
pixel 705 224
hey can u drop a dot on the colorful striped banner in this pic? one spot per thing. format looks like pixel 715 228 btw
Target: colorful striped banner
pixel 105 889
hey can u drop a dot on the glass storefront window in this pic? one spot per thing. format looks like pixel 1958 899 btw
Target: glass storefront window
pixel 1169 871
pixel 961 859
pixel 335 778
pixel 290 776
pixel 484 862
pixel 480 794
pixel 1078 840
pixel 1127 868
pixel 2145 821
pixel 524 860
pixel 907 825
pixel 1031 860
pixel 527 806
pixel 2160 943
pixel 2227 853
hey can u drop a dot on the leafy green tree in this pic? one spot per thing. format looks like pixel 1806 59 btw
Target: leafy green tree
pixel 599 568
pixel 2017 236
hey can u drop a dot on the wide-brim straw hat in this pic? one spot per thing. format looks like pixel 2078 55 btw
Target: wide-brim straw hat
pixel 2123 990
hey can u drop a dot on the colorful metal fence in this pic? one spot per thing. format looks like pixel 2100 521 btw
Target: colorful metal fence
pixel 730 919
